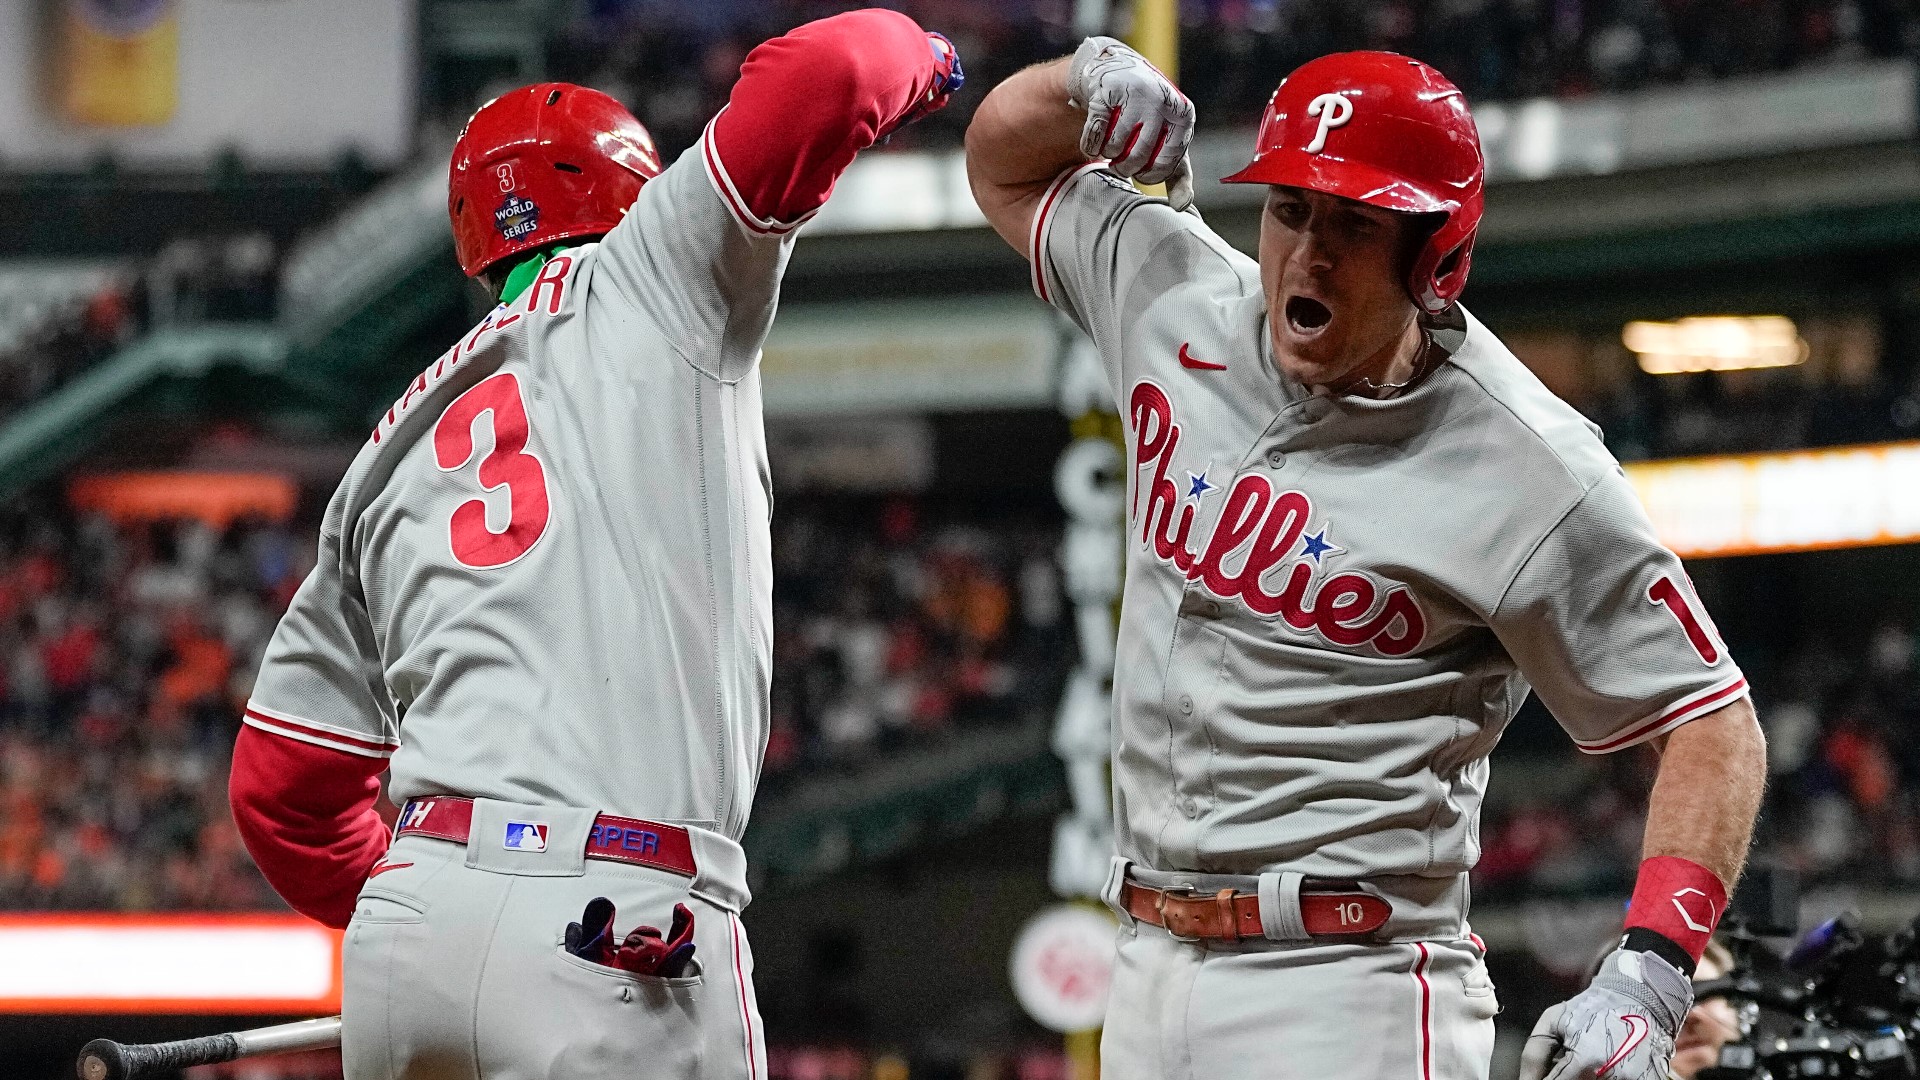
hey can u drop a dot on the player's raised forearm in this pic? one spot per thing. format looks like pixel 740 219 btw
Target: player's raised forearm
pixel 1707 794
pixel 809 100
pixel 1026 130
pixel 1106 101
pixel 1023 135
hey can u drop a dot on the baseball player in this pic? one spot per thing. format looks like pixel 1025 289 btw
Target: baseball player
pixel 1359 531
pixel 543 595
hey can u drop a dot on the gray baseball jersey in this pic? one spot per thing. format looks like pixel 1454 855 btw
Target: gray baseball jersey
pixel 546 577
pixel 1334 605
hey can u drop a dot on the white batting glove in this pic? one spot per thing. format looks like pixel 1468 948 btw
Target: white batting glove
pixel 1621 1027
pixel 1136 118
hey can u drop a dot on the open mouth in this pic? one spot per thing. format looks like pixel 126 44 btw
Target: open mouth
pixel 1307 316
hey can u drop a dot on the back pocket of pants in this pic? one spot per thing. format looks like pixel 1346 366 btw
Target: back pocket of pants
pixel 626 1018
pixel 378 908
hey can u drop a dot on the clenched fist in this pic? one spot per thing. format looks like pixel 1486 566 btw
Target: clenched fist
pixel 1136 118
pixel 1621 1027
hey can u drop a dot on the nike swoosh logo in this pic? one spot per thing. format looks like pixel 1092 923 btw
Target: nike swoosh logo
pixel 1636 1033
pixel 1187 360
pixel 384 867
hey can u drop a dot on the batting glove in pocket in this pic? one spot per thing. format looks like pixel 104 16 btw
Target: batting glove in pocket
pixel 645 951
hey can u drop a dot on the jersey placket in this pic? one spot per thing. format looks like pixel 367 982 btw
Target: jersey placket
pixel 1197 653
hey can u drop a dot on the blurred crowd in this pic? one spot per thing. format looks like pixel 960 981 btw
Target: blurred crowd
pixel 673 61
pixel 127 652
pixel 1670 416
pixel 43 343
pixel 1843 794
pixel 46 341
pixel 124 655
pixel 895 623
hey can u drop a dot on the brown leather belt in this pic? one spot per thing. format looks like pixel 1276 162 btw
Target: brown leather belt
pixel 1231 916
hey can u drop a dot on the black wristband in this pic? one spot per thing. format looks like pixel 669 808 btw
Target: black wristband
pixel 1641 939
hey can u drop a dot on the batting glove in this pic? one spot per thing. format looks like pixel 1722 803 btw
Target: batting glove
pixel 644 951
pixel 1621 1027
pixel 948 77
pixel 1136 119
pixel 591 939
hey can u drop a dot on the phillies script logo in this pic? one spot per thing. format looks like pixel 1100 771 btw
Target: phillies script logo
pixel 1261 531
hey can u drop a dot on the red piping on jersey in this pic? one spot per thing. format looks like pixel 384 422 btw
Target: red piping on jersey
pixel 296 727
pixel 1036 248
pixel 746 1014
pixel 806 103
pixel 1681 712
pixel 723 183
pixel 1426 1012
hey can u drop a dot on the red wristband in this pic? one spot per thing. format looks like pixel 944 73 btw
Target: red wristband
pixel 1679 900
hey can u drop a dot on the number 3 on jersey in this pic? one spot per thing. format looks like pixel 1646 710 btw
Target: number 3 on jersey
pixel 1668 594
pixel 508 465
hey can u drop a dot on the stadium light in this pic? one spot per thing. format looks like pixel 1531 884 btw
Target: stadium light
pixel 164 963
pixel 1803 500
pixel 1715 343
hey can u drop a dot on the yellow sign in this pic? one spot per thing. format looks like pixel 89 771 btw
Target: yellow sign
pixel 1749 504
pixel 1156 36
pixel 119 62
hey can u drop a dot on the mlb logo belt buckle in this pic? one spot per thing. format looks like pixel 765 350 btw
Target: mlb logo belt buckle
pixel 526 836
pixel 1234 916
pixel 612 838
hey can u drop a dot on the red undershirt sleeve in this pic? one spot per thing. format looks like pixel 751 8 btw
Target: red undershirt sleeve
pixel 808 101
pixel 307 816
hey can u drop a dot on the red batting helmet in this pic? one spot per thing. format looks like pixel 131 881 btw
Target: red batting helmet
pixel 1388 131
pixel 540 164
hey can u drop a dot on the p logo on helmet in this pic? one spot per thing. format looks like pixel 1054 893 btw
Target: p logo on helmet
pixel 1406 143
pixel 1333 111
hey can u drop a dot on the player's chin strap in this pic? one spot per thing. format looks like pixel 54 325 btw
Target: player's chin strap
pixel 524 274
pixel 1443 335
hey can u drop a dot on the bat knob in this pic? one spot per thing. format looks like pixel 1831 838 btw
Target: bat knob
pixel 102 1059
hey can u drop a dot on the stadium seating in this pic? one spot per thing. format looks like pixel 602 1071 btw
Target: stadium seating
pixel 674 67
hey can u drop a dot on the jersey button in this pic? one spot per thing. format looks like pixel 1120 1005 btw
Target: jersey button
pixel 1186 704
pixel 1275 459
pixel 1212 608
pixel 1190 807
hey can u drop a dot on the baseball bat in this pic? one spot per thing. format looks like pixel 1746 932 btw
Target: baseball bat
pixel 104 1059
